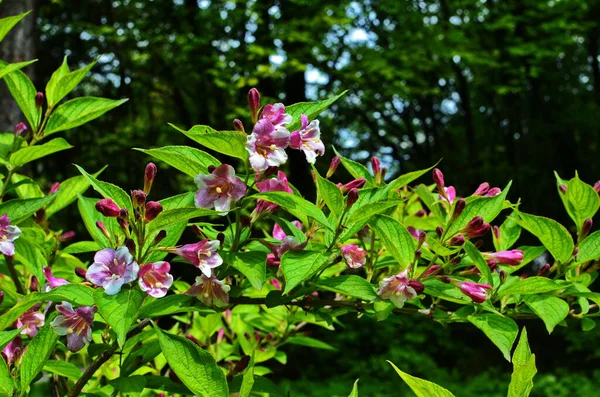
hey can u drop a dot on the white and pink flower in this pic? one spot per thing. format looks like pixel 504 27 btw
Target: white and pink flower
pixel 219 189
pixel 76 324
pixel 202 254
pixel 308 139
pixel 154 278
pixel 111 269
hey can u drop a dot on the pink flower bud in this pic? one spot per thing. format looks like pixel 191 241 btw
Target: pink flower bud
pixel 130 244
pixel 417 286
pixel 238 125
pixel 54 188
pixel 496 231
pixel 434 269
pixel 482 189
pixel 544 270
pixel 66 236
pixel 512 257
pixel 458 208
pixel 477 292
pixel 80 272
pixel 20 128
pixel 438 178
pixel 457 240
pixel 33 287
pixel 353 184
pixel 39 99
pixel 108 207
pixel 420 213
pixel 275 283
pixel 335 162
pixel 562 188
pixel 153 208
pixel 439 231
pixel 254 103
pixel 139 197
pixel 376 165
pixel 597 186
pixel 149 175
pixel 493 192
pixel 102 228
pixel 585 228
pixel 159 237
pixel 351 198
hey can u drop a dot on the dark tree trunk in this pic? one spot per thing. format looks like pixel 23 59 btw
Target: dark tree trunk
pixel 18 46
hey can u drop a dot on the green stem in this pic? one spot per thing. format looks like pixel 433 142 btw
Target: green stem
pixel 13 274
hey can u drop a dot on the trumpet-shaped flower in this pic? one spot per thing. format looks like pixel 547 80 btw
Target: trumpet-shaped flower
pixel 219 189
pixel 354 256
pixel 210 291
pixel 202 254
pixel 8 234
pixel 75 323
pixel 308 139
pixel 31 320
pixel 477 292
pixel 266 145
pixel 399 288
pixel 154 278
pixel 111 269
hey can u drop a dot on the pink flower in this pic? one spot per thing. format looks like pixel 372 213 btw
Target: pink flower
pixel 482 189
pixel 108 207
pixel 354 256
pixel 279 184
pixel 477 292
pixel 31 320
pixel 511 257
pixel 399 288
pixel 52 282
pixel 8 234
pixel 202 254
pixel 493 192
pixel 75 323
pixel 210 291
pixel 111 269
pixel 308 139
pixel 476 228
pixel 154 278
pixel 450 193
pixel 278 232
pixel 13 351
pixel 276 115
pixel 219 189
pixel 266 145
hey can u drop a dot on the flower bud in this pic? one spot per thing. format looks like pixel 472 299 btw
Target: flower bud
pixel 197 231
pixel 334 164
pixel 376 165
pixel 503 275
pixel 130 244
pixel 275 283
pixel 585 228
pixel 457 240
pixel 33 287
pixel 496 231
pixel 482 189
pixel 238 125
pixel 439 231
pixel 66 236
pixel 562 188
pixel 493 192
pixel 1 297
pixel 422 238
pixel 108 207
pixel 597 186
pixel 432 271
pixel 20 128
pixel 102 228
pixel 211 168
pixel 39 99
pixel 139 197
pixel 254 103
pixel 477 292
pixel 39 216
pixel 544 270
pixel 221 238
pixel 438 178
pixel 123 224
pixel 54 188
pixel 245 221
pixel 417 286
pixel 458 208
pixel 153 208
pixel 123 213
pixel 353 184
pixel 420 213
pixel 149 175
pixel 80 272
pixel 351 198
pixel 418 254
pixel 193 339
pixel 159 237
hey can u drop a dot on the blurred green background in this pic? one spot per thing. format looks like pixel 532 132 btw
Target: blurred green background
pixel 498 89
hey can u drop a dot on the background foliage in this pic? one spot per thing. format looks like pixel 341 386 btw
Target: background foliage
pixel 494 88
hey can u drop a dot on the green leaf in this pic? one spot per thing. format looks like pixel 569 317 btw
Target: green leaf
pixel 552 235
pixel 36 355
pixel 296 206
pixel 486 207
pixel 430 201
pixel 354 392
pixel 253 265
pixel 530 286
pixel 358 218
pixel 130 385
pixel 439 289
pixel 6 24
pixel 63 82
pixel 7 336
pixel 479 261
pixel 195 367
pixel 299 266
pixel 68 192
pixel 23 91
pixel 7 385
pixel 11 67
pixel 331 195
pixel 311 109
pixel 309 342
pixel 79 111
pixel 524 369
pixel 349 285
pixel 230 143
pixel 89 215
pixel 177 215
pixel 584 200
pixel 355 169
pixel 248 379
pixel 502 331
pixel 589 248
pixel 550 309
pixel 510 231
pixel 170 304
pixel 188 160
pixel 407 178
pixel 20 209
pixel 78 294
pixel 108 190
pixel 397 240
pixel 31 256
pixel 31 153
pixel 63 368
pixel 81 247
pixel 421 387
pixel 120 310
pixel 25 187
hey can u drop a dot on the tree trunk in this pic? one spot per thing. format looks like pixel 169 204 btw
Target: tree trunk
pixel 18 46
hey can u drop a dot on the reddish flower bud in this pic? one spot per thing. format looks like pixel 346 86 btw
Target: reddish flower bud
pixel 585 228
pixel 503 275
pixel 493 192
pixel 221 238
pixel 33 287
pixel 432 271
pixel 197 231
pixel 458 208
pixel 39 99
pixel 562 188
pixel 80 272
pixel 457 240
pixel 422 237
pixel 20 128
pixel 211 168
pixel 420 213
pixel 597 186
pixel 238 125
pixel 139 197
pixel 418 254
pixel 439 231
pixel 475 223
pixel 130 244
pixel 149 175
pixel 123 213
pixel 102 228
pixel 482 189
pixel 1 297
pixel 193 339
pixel 511 257
pixel 417 286
pixel 66 236
pixel 254 103
pixel 353 184
pixel 153 208
pixel 477 292
pixel 108 207
pixel 496 231
pixel 245 221
pixel 123 224
pixel 351 198
pixel 54 188
pixel 438 178
pixel 333 166
pixel 159 237
pixel 544 270
pixel 376 165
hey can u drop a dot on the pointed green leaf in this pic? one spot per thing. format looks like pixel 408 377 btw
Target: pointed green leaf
pixel 7 385
pixel 11 67
pixel 89 215
pixel 37 353
pixel 176 215
pixel 186 159
pixel 64 82
pixel 108 190
pixel 584 200
pixel 231 143
pixel 299 266
pixel 355 169
pixel 31 255
pixel 589 248
pixel 552 234
pixel 331 195
pixel 32 153
pixel 120 310
pixel 63 368
pixel 68 192
pixel 296 206
pixel 530 286
pixel 523 369
pixel 26 187
pixel 6 24
pixel 502 331
pixel 397 240
pixel 407 178
pixel 78 294
pixel 311 109
pixel 479 261
pixel 510 231
pixel 421 387
pixel 354 392
pixel 195 367
pixel 248 379
pixel 59 73
pixel 20 209
pixel 79 111
pixel 7 336
pixel 550 309
pixel 23 91
pixel 252 265
pixel 349 285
